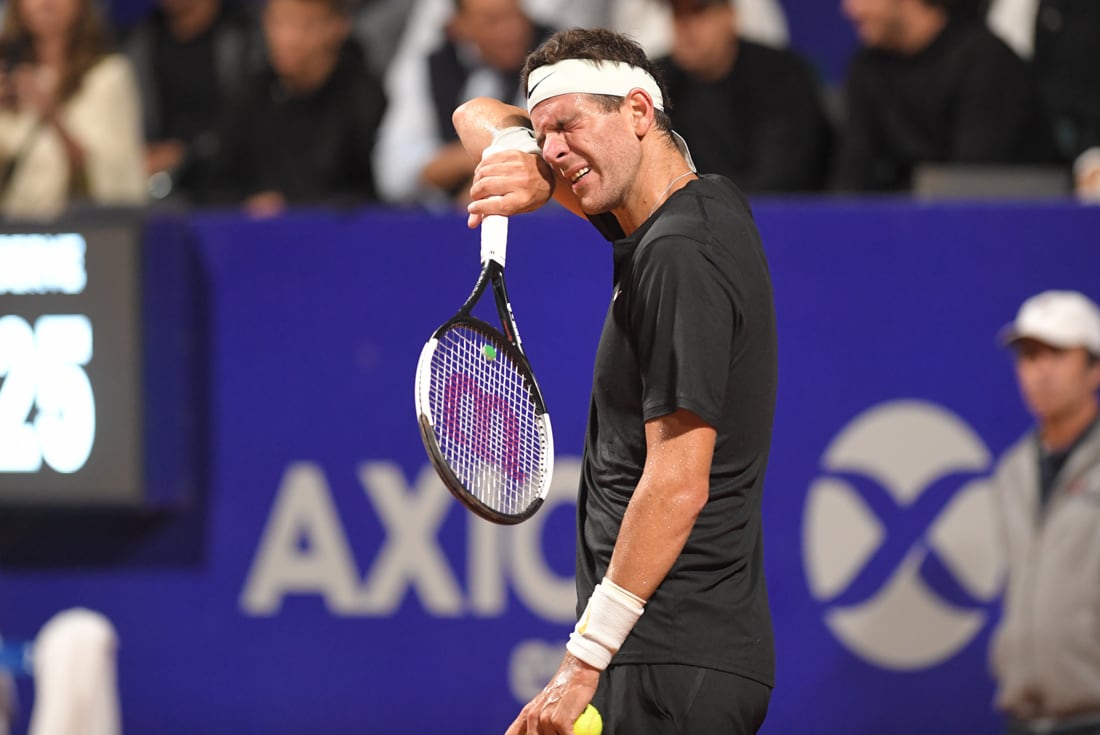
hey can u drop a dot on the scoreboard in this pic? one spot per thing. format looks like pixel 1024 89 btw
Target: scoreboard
pixel 71 393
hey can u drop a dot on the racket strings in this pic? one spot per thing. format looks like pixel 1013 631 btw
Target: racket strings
pixel 487 426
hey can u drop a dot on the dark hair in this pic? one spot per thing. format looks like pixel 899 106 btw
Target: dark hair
pixel 599 44
pixel 89 41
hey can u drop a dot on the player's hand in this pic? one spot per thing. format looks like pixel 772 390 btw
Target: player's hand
pixel 558 706
pixel 507 183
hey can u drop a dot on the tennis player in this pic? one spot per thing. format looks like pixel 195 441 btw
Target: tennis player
pixel 674 633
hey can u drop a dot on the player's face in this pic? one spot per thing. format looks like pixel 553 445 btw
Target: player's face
pixel 877 22
pixel 598 152
pixel 1055 383
pixel 704 38
pixel 302 36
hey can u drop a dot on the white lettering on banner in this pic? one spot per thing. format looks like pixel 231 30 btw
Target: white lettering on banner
pixel 36 264
pixel 410 555
pixel 304 550
pixel 902 448
pixel 322 565
pixel 47 407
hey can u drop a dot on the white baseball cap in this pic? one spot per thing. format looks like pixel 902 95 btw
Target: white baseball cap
pixel 1057 318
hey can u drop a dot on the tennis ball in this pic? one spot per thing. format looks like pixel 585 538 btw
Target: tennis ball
pixel 489 351
pixel 589 723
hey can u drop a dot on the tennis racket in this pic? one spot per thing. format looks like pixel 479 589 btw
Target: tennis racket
pixel 481 413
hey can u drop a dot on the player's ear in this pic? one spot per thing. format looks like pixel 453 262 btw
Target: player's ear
pixel 641 109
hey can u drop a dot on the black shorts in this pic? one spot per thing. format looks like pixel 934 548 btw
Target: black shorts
pixel 674 699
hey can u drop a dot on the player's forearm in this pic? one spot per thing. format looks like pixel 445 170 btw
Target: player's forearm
pixel 654 530
pixel 478 120
pixel 653 533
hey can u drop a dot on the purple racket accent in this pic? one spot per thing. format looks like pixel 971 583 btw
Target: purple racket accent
pixel 492 417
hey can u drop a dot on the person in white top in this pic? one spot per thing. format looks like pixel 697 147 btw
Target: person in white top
pixel 73 660
pixel 650 23
pixel 1045 651
pixel 453 50
pixel 70 118
pixel 410 137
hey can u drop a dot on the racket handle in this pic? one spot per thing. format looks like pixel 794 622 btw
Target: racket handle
pixel 494 238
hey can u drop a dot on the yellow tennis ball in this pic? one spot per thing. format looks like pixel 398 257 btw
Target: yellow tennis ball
pixel 589 723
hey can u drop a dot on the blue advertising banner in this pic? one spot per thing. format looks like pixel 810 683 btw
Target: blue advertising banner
pixel 324 581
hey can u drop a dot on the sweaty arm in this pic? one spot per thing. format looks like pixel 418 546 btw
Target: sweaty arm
pixel 508 182
pixel 674 487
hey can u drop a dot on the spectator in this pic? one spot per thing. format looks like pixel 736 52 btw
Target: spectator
pixel 191 57
pixel 1045 650
pixel 70 121
pixel 420 158
pixel 748 111
pixel 74 669
pixel 1061 38
pixel 303 130
pixel 929 86
pixel 649 21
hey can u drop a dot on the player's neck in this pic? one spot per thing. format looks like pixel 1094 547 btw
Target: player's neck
pixel 670 175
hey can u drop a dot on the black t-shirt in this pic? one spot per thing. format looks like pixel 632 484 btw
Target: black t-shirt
pixel 965 98
pixel 762 125
pixel 691 326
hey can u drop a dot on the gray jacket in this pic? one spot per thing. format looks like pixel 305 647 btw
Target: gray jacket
pixel 1046 649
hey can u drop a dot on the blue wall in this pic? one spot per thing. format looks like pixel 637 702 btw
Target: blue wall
pixel 323 581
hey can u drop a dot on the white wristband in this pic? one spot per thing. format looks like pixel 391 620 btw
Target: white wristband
pixel 607 620
pixel 515 139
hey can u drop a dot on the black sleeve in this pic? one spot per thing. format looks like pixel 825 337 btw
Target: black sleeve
pixel 682 318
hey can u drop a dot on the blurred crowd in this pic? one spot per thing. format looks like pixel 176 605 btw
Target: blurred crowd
pixel 265 104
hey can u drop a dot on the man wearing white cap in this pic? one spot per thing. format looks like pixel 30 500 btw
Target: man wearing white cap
pixel 673 631
pixel 1046 650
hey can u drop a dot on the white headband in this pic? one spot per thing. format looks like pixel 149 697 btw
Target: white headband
pixel 584 76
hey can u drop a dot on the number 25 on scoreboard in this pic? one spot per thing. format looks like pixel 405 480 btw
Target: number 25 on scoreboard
pixel 47 410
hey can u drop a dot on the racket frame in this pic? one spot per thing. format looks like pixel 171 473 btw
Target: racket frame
pixel 492 274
